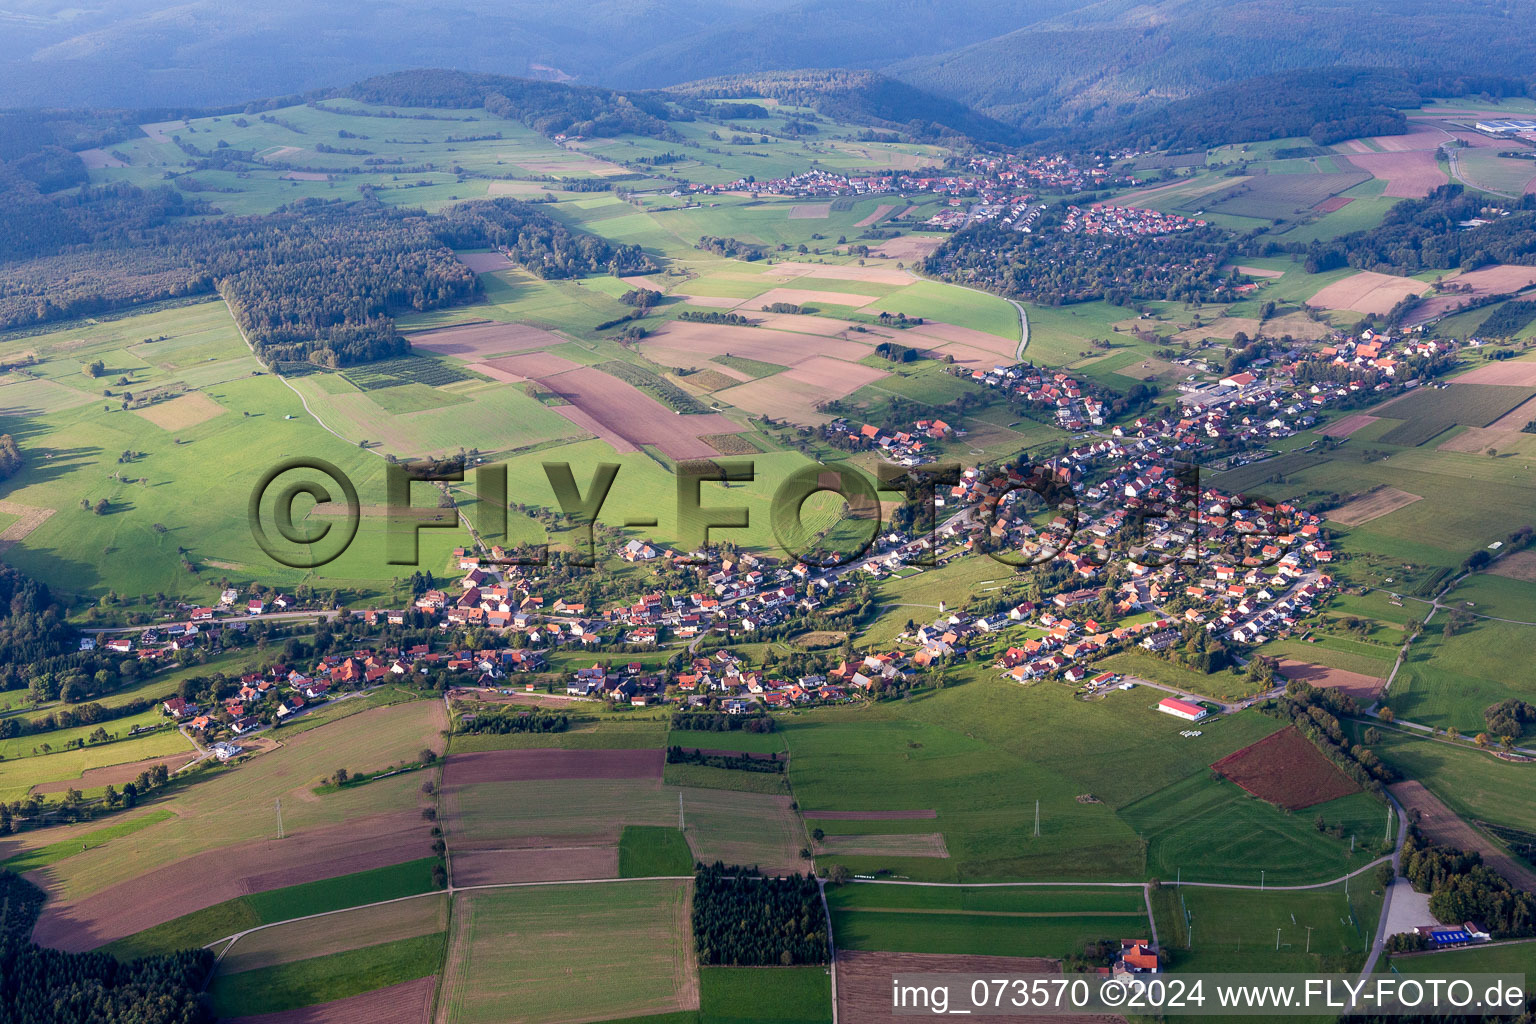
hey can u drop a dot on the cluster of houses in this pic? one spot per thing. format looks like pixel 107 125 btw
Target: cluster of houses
pixel 903 447
pixel 1076 404
pixel 1124 221
pixel 1381 352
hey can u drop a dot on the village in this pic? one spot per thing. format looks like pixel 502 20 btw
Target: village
pixel 1139 556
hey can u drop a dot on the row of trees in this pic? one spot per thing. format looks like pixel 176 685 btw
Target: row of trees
pixel 501 723
pixel 720 721
pixel 1315 710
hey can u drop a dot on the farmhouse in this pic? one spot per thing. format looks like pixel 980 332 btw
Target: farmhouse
pixel 1181 709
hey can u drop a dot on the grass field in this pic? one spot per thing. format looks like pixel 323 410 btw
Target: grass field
pixel 1245 930
pixel 324 978
pixel 1448 682
pixel 42 856
pixel 1474 784
pixel 203 926
pixel 994 922
pixel 979 753
pixel 648 851
pixel 19 775
pixel 754 995
pixel 570 953
pixel 1505 958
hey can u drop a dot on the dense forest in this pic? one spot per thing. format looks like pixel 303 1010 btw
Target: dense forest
pixel 314 281
pixel 741 919
pixel 1429 234
pixel 1328 105
pixel 861 97
pixel 1054 268
pixel 44 986
pixel 32 628
pixel 548 107
pixel 1104 61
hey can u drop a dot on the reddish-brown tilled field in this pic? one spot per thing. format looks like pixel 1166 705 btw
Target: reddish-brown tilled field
pixel 114 775
pixel 407 1003
pixel 1287 770
pixel 864 983
pixel 215 876
pixel 1362 687
pixel 522 765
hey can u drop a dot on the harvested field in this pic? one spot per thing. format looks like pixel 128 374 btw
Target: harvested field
pixel 565 954
pixel 1517 418
pixel 407 1003
pixel 1260 272
pixel 1362 687
pixel 1519 566
pixel 1439 823
pixel 474 342
pixel 1474 440
pixel 1221 327
pixel 907 247
pixel 807 297
pixel 515 188
pixel 946 334
pixel 693 342
pixel 1467 289
pixel 712 301
pixel 553 812
pixel 1367 292
pixel 796 393
pixel 1373 504
pixel 495 373
pixel 204 879
pixel 742 828
pixel 1409 174
pixel 864 982
pixel 115 775
pixel 881 212
pixel 916 844
pixel 869 815
pixel 485 262
pixel 96 159
pixel 28 518
pixel 1333 204
pixel 182 412
pixel 1270 196
pixel 810 211
pixel 626 417
pixel 279 153
pixel 551 763
pixel 841 272
pixel 531 364
pixel 334 933
pixel 1286 769
pixel 1348 425
pixel 643 282
pixel 535 864
pixel 305 176
pixel 1507 372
